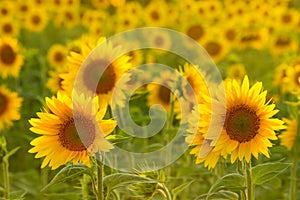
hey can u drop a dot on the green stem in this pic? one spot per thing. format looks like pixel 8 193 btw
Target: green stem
pixel 5 167
pixel 100 191
pixel 169 126
pixel 85 187
pixel 250 187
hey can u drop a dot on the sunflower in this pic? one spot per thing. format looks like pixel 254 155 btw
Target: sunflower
pixel 160 40
pixel 67 18
pixel 10 59
pixel 253 38
pixel 155 14
pixel 88 78
pixel 216 47
pixel 160 94
pixel 288 136
pixel 236 71
pixel 36 20
pixel 10 104
pixel 288 19
pixel 201 147
pixel 100 3
pixel 282 43
pixel 293 78
pixel 54 83
pixel 7 9
pixel 9 27
pixel 247 124
pixel 70 131
pixel 280 77
pixel 57 55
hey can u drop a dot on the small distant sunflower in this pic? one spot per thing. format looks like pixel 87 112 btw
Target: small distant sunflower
pixel 288 137
pixel 160 40
pixel 293 78
pixel 280 77
pixel 36 20
pixel 196 80
pixel 67 18
pixel 160 94
pixel 100 3
pixel 54 83
pixel 10 104
pixel 155 14
pixel 248 123
pixel 253 38
pixel 216 47
pixel 196 31
pixel 9 27
pixel 282 43
pixel 7 9
pixel 236 71
pixel 57 55
pixel 125 22
pixel 288 19
pixel 10 59
pixel 61 139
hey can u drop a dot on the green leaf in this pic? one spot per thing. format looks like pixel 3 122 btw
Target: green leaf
pixel 265 172
pixel 229 181
pixel 228 195
pixel 180 188
pixel 18 195
pixel 117 180
pixel 69 172
pixel 158 196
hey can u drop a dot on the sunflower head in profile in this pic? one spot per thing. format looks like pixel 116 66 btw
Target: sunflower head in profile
pixel 70 131
pixel 10 59
pixel 248 124
pixel 288 137
pixel 10 104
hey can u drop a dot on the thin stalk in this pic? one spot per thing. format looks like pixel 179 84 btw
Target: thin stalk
pixel 5 167
pixel 85 187
pixel 250 187
pixel 100 195
pixel 293 179
pixel 169 126
pixel 241 169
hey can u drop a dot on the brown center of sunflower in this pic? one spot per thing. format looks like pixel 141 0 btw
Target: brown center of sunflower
pixel 107 80
pixel 154 15
pixel 23 8
pixel 35 19
pixel 230 34
pixel 79 137
pixel 58 57
pixel 297 76
pixel 69 16
pixel 4 11
pixel 283 41
pixel 196 32
pixel 159 41
pixel 213 48
pixel 241 123
pixel 164 94
pixel 3 103
pixel 286 18
pixel 7 54
pixel 7 28
pixel 250 37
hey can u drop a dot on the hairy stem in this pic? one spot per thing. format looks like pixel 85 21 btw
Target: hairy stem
pixel 250 187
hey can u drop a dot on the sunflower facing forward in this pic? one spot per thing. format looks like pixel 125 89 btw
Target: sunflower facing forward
pixel 10 59
pixel 70 131
pixel 10 104
pixel 248 124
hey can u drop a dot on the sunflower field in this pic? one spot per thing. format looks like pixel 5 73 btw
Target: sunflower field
pixel 149 99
